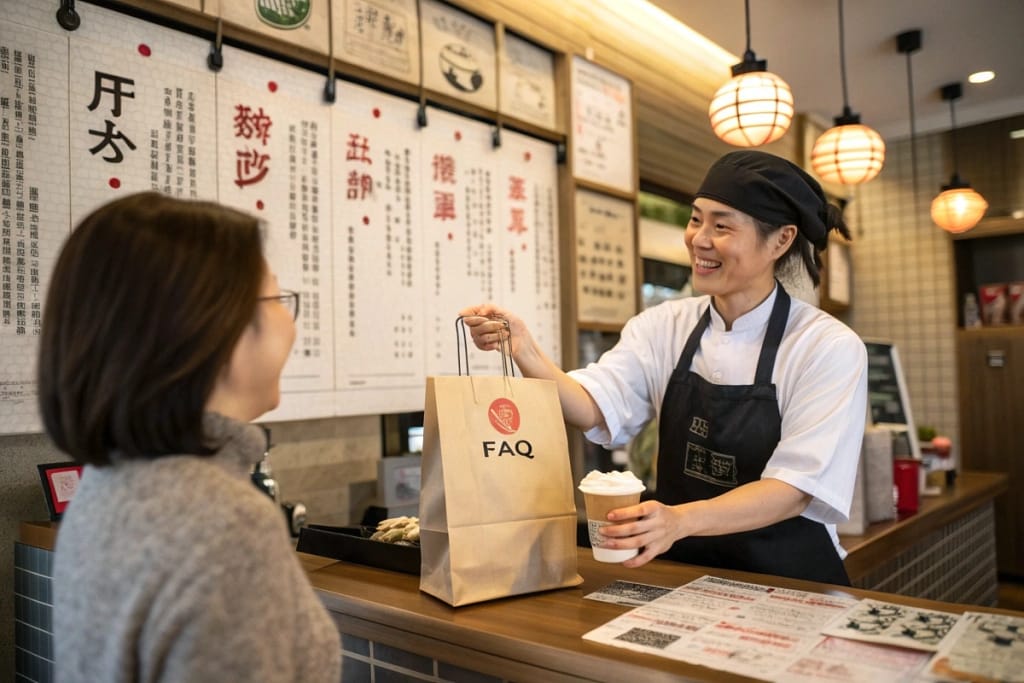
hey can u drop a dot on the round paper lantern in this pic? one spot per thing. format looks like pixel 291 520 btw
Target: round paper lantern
pixel 958 209
pixel 849 154
pixel 751 109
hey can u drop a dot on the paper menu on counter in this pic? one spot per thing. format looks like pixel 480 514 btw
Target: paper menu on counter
pixel 759 631
pixel 982 647
pixel 887 623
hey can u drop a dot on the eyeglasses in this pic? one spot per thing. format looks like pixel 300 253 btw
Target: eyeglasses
pixel 288 299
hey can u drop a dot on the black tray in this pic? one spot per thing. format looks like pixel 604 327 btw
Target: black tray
pixel 352 544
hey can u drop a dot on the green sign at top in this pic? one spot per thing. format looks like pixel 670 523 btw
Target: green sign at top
pixel 285 14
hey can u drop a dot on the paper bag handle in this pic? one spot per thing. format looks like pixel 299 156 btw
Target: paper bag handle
pixel 504 347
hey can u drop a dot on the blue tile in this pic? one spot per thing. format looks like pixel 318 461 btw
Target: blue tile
pixel 45 672
pixel 382 675
pixel 456 674
pixel 403 658
pixel 354 671
pixel 19 581
pixel 46 590
pixel 47 558
pixel 46 645
pixel 46 618
pixel 20 608
pixel 20 555
pixel 360 646
pixel 20 634
pixel 18 678
pixel 21 661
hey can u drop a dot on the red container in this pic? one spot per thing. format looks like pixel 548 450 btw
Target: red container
pixel 905 473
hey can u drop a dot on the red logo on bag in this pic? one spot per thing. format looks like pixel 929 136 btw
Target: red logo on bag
pixel 504 416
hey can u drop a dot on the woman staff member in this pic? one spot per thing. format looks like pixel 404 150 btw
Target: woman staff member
pixel 761 399
pixel 164 334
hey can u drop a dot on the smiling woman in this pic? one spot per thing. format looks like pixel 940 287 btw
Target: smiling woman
pixel 761 396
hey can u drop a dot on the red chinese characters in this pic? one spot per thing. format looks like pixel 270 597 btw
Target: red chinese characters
pixel 251 164
pixel 360 183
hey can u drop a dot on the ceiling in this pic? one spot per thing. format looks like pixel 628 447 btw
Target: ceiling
pixel 800 41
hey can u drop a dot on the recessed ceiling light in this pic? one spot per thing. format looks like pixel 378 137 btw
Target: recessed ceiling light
pixel 981 76
pixel 1017 134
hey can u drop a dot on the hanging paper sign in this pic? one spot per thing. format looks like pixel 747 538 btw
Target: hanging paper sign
pixel 458 54
pixel 528 82
pixel 34 205
pixel 602 126
pixel 273 146
pixel 300 22
pixel 605 259
pixel 142 112
pixel 380 35
pixel 527 235
pixel 459 174
pixel 378 281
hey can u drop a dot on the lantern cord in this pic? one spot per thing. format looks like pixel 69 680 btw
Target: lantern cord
pixel 747 5
pixel 913 128
pixel 842 58
pixel 952 132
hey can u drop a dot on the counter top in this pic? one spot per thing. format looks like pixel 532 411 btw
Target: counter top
pixel 884 540
pixel 541 630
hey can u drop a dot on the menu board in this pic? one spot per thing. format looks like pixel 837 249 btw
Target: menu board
pixel 605 259
pixel 381 35
pixel 602 126
pixel 34 206
pixel 887 392
pixel 299 22
pixel 379 279
pixel 385 228
pixel 528 82
pixel 459 57
pixel 273 161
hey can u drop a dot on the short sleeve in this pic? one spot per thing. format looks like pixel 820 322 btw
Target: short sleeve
pixel 823 422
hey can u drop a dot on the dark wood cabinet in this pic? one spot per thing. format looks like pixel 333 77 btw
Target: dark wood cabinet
pixel 991 380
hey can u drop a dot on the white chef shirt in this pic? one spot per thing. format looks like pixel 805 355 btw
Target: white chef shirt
pixel 820 376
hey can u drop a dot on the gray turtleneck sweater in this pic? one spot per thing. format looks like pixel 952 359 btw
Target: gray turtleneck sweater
pixel 179 569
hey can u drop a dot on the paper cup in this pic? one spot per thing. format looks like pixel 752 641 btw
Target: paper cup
pixel 598 507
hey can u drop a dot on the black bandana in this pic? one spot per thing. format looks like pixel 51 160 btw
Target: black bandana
pixel 771 189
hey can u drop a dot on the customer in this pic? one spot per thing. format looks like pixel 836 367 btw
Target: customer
pixel 760 398
pixel 164 334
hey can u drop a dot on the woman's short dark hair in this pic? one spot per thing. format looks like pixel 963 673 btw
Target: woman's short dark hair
pixel 801 248
pixel 147 300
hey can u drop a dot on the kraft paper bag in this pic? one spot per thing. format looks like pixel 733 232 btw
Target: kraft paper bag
pixel 497 513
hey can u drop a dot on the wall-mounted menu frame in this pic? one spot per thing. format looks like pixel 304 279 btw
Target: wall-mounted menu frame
pixel 528 82
pixel 300 22
pixel 380 35
pixel 888 398
pixel 606 290
pixel 459 54
pixel 602 127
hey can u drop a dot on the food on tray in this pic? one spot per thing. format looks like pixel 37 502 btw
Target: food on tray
pixel 398 530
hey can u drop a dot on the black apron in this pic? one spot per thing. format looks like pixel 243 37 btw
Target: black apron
pixel 714 438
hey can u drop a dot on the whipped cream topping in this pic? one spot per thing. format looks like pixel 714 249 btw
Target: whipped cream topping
pixel 611 483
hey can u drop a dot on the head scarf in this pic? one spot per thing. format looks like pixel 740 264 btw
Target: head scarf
pixel 772 190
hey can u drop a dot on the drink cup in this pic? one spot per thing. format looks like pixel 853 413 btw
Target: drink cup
pixel 603 493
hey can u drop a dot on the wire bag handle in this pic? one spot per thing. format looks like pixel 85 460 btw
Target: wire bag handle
pixel 504 346
pixel 463 349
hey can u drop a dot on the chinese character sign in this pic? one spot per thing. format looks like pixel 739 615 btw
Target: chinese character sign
pixel 378 250
pixel 274 142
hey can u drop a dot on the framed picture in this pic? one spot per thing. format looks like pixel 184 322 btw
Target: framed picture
pixel 60 481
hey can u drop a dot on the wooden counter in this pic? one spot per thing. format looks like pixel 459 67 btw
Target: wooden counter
pixel 536 637
pixel 944 551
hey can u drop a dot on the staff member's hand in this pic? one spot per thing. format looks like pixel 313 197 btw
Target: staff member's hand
pixel 651 526
pixel 486 324
pixel 654 527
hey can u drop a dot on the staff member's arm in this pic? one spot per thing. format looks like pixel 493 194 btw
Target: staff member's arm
pixel 811 472
pixel 486 325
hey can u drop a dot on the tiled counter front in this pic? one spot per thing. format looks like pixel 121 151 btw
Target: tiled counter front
pixel 33 614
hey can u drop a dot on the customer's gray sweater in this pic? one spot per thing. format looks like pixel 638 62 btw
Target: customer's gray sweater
pixel 179 569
